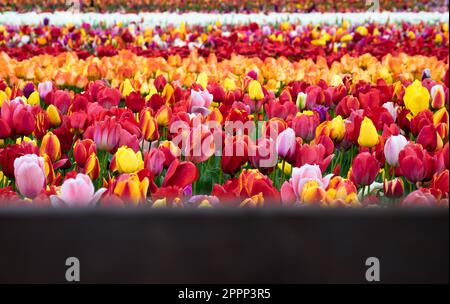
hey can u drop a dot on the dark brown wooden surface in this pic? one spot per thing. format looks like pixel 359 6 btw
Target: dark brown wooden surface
pixel 224 246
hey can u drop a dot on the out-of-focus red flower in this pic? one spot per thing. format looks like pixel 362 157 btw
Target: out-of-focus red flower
pixel 364 169
pixel 420 198
pixel 5 130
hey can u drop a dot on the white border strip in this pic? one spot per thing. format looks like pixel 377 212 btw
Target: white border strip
pixel 162 19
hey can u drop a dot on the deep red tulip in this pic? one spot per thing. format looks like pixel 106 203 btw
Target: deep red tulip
pixel 135 102
pixel 364 169
pixel 61 100
pixel 234 154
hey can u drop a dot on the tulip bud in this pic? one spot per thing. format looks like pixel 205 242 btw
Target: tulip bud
pixel 368 135
pixel 255 91
pixel 437 97
pixel 130 189
pixel 393 188
pixel 53 114
pixel 50 145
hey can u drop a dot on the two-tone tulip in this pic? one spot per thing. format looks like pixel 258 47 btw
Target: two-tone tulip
pixel 50 146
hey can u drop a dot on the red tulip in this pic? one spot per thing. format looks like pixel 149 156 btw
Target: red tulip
pixel 234 154
pixel 420 198
pixel 106 134
pixel 428 137
pixel 5 130
pixel 135 102
pixel 346 106
pixel 108 97
pixel 82 150
pixel 313 155
pixel 393 188
pixel 154 161
pixel 61 100
pixel 180 174
pixel 364 169
pixel 78 120
pixel 415 163
pixel 440 181
pixel 305 126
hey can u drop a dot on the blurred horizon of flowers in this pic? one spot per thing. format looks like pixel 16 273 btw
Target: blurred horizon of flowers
pixel 238 6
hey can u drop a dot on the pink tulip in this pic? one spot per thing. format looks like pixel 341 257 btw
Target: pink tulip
pixel 392 148
pixel 77 192
pixel 29 174
pixel 200 102
pixel 154 161
pixel 291 190
pixel 44 88
pixel 286 144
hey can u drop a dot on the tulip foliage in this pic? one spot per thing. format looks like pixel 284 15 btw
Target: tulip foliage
pixel 284 115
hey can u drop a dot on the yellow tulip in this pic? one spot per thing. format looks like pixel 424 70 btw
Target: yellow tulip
pixel 255 90
pixel 337 128
pixel 34 98
pixel 202 79
pixel 127 161
pixel 127 88
pixel 368 135
pixel 312 193
pixel 416 98
pixel 229 84
pixel 3 97
pixel 53 114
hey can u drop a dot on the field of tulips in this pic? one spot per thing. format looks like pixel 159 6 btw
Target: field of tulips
pixel 223 6
pixel 225 115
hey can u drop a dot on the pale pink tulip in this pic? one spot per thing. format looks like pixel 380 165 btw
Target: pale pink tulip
pixel 29 174
pixel 44 88
pixel 200 102
pixel 286 144
pixel 392 148
pixel 77 192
